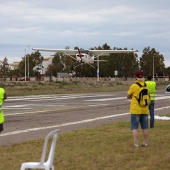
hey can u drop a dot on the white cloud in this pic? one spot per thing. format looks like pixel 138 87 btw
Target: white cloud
pixel 120 23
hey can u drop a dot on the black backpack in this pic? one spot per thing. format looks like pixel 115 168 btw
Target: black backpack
pixel 144 98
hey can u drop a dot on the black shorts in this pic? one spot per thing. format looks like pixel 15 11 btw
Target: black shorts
pixel 1 127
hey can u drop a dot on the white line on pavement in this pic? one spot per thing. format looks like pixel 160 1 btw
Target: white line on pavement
pixel 60 125
pixel 68 124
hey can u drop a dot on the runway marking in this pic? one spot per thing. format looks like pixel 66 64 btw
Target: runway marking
pixel 67 108
pixel 25 108
pixel 163 108
pixel 20 106
pixel 68 124
pixel 118 98
pixel 106 99
pixel 47 97
pixel 60 125
pixel 50 110
pixel 163 97
pixel 15 106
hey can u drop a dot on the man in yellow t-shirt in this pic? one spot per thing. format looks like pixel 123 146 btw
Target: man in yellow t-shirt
pixel 2 98
pixel 139 114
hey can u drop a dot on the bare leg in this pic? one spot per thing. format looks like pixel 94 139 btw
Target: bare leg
pixel 135 136
pixel 145 136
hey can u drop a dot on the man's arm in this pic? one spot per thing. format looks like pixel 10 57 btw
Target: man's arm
pixel 129 96
pixel 130 93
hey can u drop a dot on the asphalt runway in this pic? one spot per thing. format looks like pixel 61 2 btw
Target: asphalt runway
pixel 33 117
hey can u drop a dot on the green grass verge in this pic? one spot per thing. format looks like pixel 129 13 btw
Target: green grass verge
pixel 108 147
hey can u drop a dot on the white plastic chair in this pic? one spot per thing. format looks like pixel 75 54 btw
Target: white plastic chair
pixel 48 165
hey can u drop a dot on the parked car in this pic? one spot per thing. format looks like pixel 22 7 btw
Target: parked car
pixel 23 79
pixel 168 88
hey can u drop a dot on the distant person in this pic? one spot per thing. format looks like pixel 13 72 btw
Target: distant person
pixel 2 98
pixel 10 77
pixel 50 78
pixel 152 91
pixel 139 114
pixel 16 78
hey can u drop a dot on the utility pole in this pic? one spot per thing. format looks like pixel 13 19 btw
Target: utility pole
pixel 28 65
pixel 25 65
pixel 98 73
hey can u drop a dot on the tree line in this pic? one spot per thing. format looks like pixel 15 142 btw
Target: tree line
pixel 124 63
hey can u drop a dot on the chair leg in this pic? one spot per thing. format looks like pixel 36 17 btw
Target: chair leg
pixel 52 168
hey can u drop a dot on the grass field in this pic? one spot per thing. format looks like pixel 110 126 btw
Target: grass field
pixel 40 88
pixel 104 148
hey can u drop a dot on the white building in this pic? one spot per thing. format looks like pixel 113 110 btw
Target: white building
pixel 46 62
pixel 14 65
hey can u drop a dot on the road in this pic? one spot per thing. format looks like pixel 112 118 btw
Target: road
pixel 33 117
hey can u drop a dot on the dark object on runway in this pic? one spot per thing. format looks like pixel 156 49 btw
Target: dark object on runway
pixel 168 88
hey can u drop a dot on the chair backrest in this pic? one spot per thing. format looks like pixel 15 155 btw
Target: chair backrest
pixel 53 135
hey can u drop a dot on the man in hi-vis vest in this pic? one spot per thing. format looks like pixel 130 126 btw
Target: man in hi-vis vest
pixel 2 98
pixel 152 90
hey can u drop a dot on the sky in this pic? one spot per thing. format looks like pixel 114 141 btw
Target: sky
pixel 131 24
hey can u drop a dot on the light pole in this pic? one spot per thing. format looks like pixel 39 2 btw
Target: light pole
pixel 98 73
pixel 25 65
pixel 28 64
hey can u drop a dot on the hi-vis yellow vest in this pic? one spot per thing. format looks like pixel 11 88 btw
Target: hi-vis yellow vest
pixel 152 89
pixel 2 92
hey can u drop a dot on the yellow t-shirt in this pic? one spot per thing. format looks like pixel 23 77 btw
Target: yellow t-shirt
pixel 135 108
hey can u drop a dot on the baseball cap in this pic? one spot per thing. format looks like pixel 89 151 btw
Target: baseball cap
pixel 139 75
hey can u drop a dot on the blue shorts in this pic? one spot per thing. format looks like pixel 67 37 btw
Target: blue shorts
pixel 137 119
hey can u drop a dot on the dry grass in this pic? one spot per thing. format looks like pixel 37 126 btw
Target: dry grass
pixel 40 88
pixel 104 148
pixel 59 88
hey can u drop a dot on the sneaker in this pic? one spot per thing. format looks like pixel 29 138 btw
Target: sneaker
pixel 145 145
pixel 136 145
pixel 151 126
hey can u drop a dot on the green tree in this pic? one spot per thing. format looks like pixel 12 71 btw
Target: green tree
pixel 151 61
pixel 167 71
pixel 105 47
pixel 4 68
pixel 35 59
pixel 56 65
pixel 125 63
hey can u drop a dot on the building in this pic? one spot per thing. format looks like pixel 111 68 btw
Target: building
pixel 14 65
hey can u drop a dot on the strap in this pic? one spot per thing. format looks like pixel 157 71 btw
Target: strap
pixel 140 84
